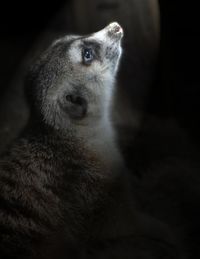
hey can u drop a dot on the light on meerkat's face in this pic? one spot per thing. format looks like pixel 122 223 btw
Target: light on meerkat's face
pixel 95 58
pixel 106 48
pixel 97 53
pixel 85 69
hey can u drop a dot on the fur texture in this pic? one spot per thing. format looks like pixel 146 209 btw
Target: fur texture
pixel 64 190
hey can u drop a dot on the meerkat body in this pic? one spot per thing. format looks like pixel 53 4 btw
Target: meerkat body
pixel 62 183
pixel 56 177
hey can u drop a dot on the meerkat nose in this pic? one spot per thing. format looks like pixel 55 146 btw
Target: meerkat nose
pixel 115 30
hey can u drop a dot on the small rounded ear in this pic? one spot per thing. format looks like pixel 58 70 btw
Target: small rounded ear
pixel 75 106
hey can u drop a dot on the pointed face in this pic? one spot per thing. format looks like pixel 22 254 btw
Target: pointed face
pixel 73 79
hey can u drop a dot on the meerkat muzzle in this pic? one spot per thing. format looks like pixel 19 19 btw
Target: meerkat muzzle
pixel 115 30
pixel 112 31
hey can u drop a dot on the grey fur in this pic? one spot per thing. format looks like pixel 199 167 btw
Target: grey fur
pixel 63 186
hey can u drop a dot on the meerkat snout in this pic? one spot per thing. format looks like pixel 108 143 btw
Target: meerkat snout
pixel 115 30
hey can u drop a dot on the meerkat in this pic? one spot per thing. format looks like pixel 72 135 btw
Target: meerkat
pixel 62 182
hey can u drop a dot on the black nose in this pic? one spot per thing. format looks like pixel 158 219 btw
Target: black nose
pixel 115 30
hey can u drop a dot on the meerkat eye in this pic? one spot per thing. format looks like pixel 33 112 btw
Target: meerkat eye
pixel 88 56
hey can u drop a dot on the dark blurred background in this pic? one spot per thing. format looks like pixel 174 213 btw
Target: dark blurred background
pixel 178 85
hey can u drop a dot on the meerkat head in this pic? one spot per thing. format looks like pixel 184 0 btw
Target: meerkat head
pixel 72 81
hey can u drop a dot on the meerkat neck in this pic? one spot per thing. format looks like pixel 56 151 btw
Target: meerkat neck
pixel 100 139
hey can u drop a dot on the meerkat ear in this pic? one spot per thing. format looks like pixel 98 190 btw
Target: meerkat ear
pixel 75 106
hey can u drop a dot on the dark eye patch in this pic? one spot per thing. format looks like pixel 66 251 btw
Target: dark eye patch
pixel 94 46
pixel 87 55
